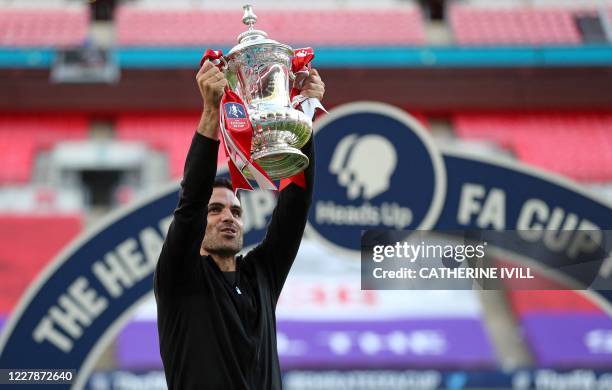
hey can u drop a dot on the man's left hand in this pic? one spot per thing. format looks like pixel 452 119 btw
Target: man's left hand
pixel 311 86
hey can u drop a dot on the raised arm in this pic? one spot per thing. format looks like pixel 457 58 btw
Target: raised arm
pixel 277 251
pixel 186 231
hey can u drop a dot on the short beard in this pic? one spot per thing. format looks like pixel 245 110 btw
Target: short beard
pixel 215 248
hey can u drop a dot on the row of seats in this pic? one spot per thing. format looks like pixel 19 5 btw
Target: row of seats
pixel 478 26
pixel 470 25
pixel 574 145
pixel 169 133
pixel 577 146
pixel 524 302
pixel 21 137
pixel 44 27
pixel 27 244
pixel 400 26
pixel 138 26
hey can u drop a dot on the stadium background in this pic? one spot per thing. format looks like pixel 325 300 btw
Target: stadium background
pixel 98 105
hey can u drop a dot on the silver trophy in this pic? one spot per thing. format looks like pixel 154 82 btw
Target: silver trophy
pixel 258 69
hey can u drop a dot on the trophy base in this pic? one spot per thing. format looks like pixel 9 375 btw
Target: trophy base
pixel 278 126
pixel 278 133
pixel 280 162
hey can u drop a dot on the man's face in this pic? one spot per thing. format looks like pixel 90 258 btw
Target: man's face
pixel 224 229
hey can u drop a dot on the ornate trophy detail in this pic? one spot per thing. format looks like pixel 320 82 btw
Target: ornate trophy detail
pixel 259 71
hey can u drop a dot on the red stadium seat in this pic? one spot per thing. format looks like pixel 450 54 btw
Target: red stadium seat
pixel 497 128
pixel 40 27
pixel 525 302
pixel 27 244
pixel 22 136
pixel 530 26
pixel 170 133
pixel 16 157
pixel 189 27
pixel 578 146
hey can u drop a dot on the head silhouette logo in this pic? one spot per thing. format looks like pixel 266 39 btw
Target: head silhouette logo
pixel 376 168
pixel 352 165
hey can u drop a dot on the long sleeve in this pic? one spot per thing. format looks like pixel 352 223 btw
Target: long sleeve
pixel 175 266
pixel 276 253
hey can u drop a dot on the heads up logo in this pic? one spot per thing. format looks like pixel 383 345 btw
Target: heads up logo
pixel 351 164
pixel 376 168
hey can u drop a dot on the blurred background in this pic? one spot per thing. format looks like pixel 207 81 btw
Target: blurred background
pixel 98 104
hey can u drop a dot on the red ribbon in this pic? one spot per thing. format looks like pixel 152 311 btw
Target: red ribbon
pixel 214 56
pixel 300 63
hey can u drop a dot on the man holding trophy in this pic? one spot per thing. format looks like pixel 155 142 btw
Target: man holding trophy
pixel 216 310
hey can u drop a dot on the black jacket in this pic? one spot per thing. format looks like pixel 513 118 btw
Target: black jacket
pixel 213 335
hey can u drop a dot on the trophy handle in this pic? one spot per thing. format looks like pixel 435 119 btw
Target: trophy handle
pixel 220 63
pixel 216 58
pixel 300 60
pixel 293 76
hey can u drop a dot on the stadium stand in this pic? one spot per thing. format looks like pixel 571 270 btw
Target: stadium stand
pixel 552 325
pixel 27 243
pixel 513 25
pixel 22 136
pixel 138 26
pixel 16 157
pixel 524 302
pixel 46 26
pixel 582 147
pixel 170 133
pixel 582 152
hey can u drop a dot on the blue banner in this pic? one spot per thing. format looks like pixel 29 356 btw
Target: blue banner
pixel 376 168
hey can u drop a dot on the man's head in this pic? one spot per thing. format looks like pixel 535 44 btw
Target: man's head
pixel 224 221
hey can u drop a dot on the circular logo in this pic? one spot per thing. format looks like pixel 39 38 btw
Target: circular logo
pixel 377 168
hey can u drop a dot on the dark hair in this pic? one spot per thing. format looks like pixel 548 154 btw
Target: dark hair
pixel 224 182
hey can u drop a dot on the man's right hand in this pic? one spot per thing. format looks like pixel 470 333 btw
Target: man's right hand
pixel 211 82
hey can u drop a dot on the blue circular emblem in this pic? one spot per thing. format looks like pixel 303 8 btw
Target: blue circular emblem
pixel 376 168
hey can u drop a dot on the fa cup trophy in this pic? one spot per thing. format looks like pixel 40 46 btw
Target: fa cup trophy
pixel 261 128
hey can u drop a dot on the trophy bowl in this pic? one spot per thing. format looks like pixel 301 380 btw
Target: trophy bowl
pixel 259 71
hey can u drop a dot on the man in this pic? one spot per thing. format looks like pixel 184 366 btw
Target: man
pixel 216 319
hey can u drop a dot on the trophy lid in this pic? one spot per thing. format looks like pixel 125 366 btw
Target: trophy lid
pixel 252 37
